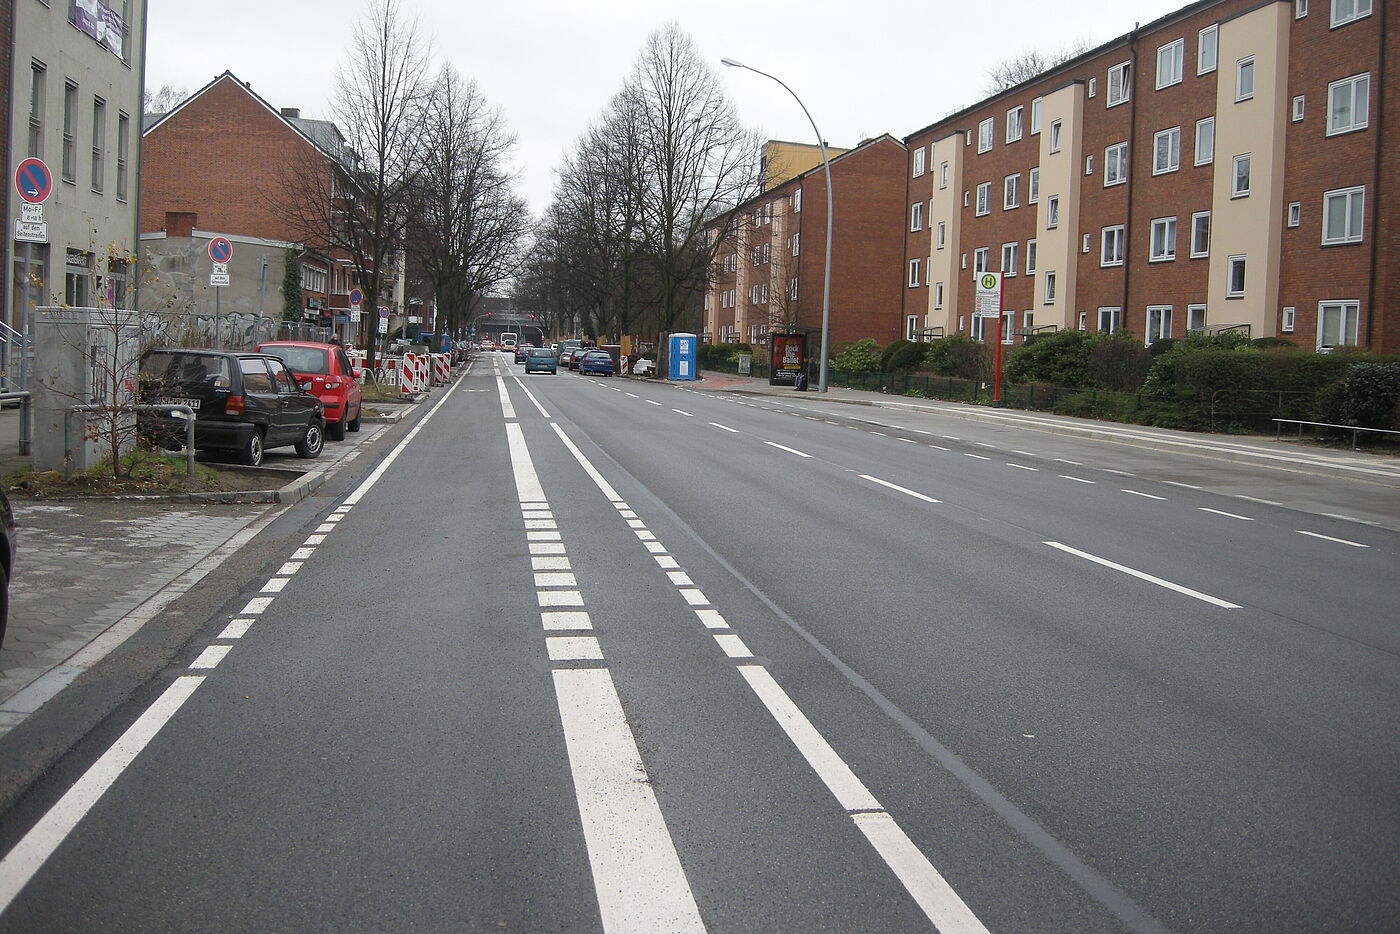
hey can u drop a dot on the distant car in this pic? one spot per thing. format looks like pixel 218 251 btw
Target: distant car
pixel 596 361
pixel 522 351
pixel 568 350
pixel 7 560
pixel 541 360
pixel 243 402
pixel 488 345
pixel 325 371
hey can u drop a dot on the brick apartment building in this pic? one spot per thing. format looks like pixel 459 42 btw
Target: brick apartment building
pixel 227 157
pixel 1229 165
pixel 769 267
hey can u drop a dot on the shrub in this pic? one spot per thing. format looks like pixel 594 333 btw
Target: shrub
pixel 711 355
pixel 862 356
pixel 901 355
pixel 1118 362
pixel 959 356
pixel 1370 395
pixel 1060 357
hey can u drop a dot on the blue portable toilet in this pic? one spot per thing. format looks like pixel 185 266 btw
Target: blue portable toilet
pixel 682 354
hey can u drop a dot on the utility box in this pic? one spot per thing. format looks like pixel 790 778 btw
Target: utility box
pixel 682 357
pixel 83 356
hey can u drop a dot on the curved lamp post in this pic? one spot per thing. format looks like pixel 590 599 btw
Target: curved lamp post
pixel 826 165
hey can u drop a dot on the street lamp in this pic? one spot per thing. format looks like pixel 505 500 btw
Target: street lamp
pixel 826 165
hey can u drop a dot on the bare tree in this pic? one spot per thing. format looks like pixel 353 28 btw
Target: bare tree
pixel 1027 65
pixel 163 100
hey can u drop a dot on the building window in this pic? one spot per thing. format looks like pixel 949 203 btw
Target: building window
pixel 1089 164
pixel 1093 88
pixel 1111 246
pixel 911 327
pixel 123 151
pixel 1049 288
pixel 1163 248
pixel 767 252
pixel 1013 124
pixel 1336 324
pixel 919 161
pixel 1298 108
pixel 1169 63
pixel 916 216
pixel 1342 213
pixel 1011 192
pixel 1207 49
pixel 99 141
pixel 1028 321
pixel 913 272
pixel 1346 11
pixel 313 279
pixel 792 288
pixel 797 201
pixel 1115 164
pixel 796 244
pixel 1347 104
pixel 1244 79
pixel 1008 327
pixel 1159 323
pixel 1052 212
pixel 1205 141
pixel 1035 116
pixel 984 198
pixel 1239 177
pixel 1234 276
pixel 979 328
pixel 1290 320
pixel 980 257
pixel 1087 243
pixel 1030 257
pixel 1195 318
pixel 1300 8
pixel 1295 213
pixel 1033 196
pixel 1200 234
pixel 984 134
pixel 38 81
pixel 1166 151
pixel 1008 259
pixel 1110 319
pixel 1118 87
pixel 77 279
pixel 943 175
pixel 70 145
pixel 942 238
pixel 1055 127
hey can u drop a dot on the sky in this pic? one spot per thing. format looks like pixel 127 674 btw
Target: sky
pixel 862 68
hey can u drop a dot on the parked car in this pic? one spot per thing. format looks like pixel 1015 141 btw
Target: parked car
pixel 522 351
pixel 244 402
pixel 541 360
pixel 7 560
pixel 596 361
pixel 568 350
pixel 325 371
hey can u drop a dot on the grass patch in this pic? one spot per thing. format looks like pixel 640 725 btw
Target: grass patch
pixel 146 473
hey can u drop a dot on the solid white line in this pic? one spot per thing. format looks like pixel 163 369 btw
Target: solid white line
pixel 1076 479
pixel 211 657
pixel 588 468
pixel 679 412
pixel 943 906
pixel 526 480
pixel 1339 541
pixel 781 447
pixel 1024 467
pixel 393 455
pixel 892 486
pixel 637 874
pixel 1144 495
pixel 980 457
pixel 236 629
pixel 1144 576
pixel 22 862
pixel 1228 514
pixel 507 409
pixel 734 431
pixel 531 396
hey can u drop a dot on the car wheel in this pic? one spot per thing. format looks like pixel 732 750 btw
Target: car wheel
pixel 252 453
pixel 311 443
pixel 354 423
pixel 336 430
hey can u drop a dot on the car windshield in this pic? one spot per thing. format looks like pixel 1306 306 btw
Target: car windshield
pixel 302 359
pixel 540 352
pixel 184 368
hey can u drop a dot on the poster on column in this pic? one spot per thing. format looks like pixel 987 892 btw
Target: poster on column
pixel 789 355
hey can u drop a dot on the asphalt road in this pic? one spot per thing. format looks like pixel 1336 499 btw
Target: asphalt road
pixel 586 654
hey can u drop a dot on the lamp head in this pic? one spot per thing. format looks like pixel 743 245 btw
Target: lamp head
pixel 731 63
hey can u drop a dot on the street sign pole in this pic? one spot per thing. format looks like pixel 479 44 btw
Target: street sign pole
pixel 996 379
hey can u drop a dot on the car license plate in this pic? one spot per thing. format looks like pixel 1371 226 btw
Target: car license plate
pixel 192 403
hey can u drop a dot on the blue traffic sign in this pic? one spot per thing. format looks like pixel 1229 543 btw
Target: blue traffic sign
pixel 33 180
pixel 220 250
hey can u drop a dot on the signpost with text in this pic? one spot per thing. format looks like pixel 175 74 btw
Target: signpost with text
pixel 987 304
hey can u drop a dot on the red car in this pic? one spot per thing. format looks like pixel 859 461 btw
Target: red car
pixel 325 371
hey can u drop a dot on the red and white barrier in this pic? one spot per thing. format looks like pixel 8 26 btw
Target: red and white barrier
pixel 443 364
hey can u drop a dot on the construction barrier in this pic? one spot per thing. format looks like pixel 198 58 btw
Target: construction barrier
pixel 443 363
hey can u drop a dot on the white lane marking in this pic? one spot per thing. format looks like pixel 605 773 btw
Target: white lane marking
pixel 573 648
pixel 900 489
pixel 666 561
pixel 680 578
pixel 588 468
pixel 646 536
pixel 1144 495
pixel 325 527
pixel 733 646
pixel 782 447
pixel 1121 473
pixel 1339 541
pixel 880 433
pixel 22 862
pixel 275 585
pixel 525 477
pixel 1338 515
pixel 940 903
pixel 1024 467
pixel 1063 461
pixel 614 389
pixel 637 874
pixel 712 619
pixel 211 657
pixel 694 597
pixel 655 548
pixel 980 457
pixel 908 440
pixel 636 524
pixel 543 535
pixel 541 524
pixel 939 447
pixel 1141 575
pixel 393 455
pixel 951 438
pixel 653 402
pixel 634 395
pixel 530 395
pixel 507 409
pixel 1064 476
pixel 1255 499
pixel 560 598
pixel 236 629
pixel 289 568
pixel 565 620
pixel 1026 453
pixel 1189 486
pixel 1230 515
pixel 256 606
pixel 734 431
pixel 829 422
pixel 314 540
pixel 555 579
pixel 546 548
pixel 335 517
pixel 550 564
pixel 983 444
pixel 679 412
pixel 301 554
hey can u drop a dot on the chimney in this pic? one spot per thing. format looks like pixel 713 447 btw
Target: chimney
pixel 291 113
pixel 180 223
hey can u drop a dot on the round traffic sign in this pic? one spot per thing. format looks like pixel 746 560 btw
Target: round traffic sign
pixel 989 281
pixel 33 180
pixel 356 296
pixel 220 250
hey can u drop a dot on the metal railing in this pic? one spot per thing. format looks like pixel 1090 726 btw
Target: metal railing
pixel 1280 422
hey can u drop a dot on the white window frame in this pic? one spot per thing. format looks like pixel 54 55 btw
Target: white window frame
pixel 1205 130
pixel 981 259
pixel 1031 250
pixel 1353 227
pixel 1208 38
pixel 1008 327
pixel 797 243
pixel 1087 243
pixel 938 295
pixel 943 175
pixel 1162 242
pixel 1298 106
pixel 1056 132
pixel 979 328
pixel 984 199
pixel 1175 54
pixel 1033 195
pixel 1093 88
pixel 1008 259
pixel 1195 318
pixel 985 131
pixel 1011 192
pixel 1124 89
pixel 1111 245
pixel 941 240
pixel 911 327
pixel 919 156
pixel 1289 320
pixel 1051 287
pixel 797 201
pixel 792 289
pixel 1172 137
pixel 1014 128
pixel 914 269
pixel 1359 9
pixel 1247 160
pixel 1115 318
pixel 1350 313
pixel 1239 261
pixel 1089 164
pixel 1052 212
pixel 1035 115
pixel 1300 8
pixel 1163 325
pixel 1295 213
pixel 1115 165
pixel 916 216
pixel 1243 67
pixel 1350 86
pixel 1200 230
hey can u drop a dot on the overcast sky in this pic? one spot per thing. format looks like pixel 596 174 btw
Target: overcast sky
pixel 862 68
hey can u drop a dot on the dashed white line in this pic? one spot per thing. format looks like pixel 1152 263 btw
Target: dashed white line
pixel 681 412
pixel 556 620
pixel 1229 515
pixel 560 598
pixel 939 447
pixel 1076 479
pixel 1255 499
pixel 1142 575
pixel 555 579
pixel 1339 541
pixel 1189 486
pixel 1144 495
pixel 573 648
pixel 1026 453
pixel 734 431
pixel 694 597
pixel 236 629
pixel 900 489
pixel 783 447
pixel 654 402
pixel 980 457
pixel 1061 460
pixel 1024 467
